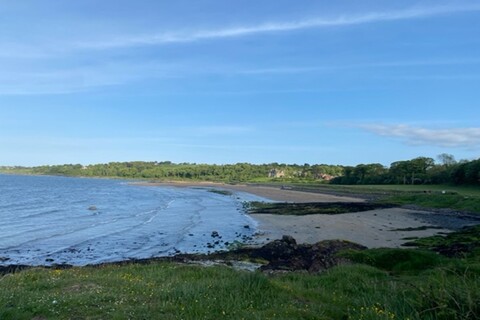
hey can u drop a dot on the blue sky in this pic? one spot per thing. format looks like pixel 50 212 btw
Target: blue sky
pixel 212 81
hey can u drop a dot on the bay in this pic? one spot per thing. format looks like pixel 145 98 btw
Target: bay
pixel 54 220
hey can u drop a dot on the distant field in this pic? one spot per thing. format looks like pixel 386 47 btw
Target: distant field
pixel 464 190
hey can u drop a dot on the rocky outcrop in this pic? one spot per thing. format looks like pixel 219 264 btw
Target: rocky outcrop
pixel 286 255
pixel 277 256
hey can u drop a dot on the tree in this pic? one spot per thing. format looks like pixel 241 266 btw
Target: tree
pixel 399 170
pixel 412 171
pixel 446 159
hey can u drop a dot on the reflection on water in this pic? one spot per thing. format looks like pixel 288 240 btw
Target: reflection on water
pixel 45 220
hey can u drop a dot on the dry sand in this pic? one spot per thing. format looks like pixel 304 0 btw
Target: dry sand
pixel 373 229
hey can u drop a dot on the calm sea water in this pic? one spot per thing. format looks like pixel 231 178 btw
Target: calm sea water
pixel 46 220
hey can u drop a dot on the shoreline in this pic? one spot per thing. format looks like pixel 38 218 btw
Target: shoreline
pixel 273 193
pixel 388 228
pixel 378 228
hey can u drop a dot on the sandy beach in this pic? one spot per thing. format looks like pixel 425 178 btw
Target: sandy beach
pixel 374 228
pixel 273 193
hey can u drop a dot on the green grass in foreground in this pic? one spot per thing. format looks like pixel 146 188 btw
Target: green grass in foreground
pixel 383 286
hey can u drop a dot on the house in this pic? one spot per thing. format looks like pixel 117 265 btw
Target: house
pixel 325 176
pixel 274 173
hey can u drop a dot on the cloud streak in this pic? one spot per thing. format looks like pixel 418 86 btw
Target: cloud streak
pixel 453 137
pixel 388 64
pixel 79 79
pixel 344 20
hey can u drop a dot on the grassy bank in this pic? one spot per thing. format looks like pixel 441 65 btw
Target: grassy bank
pixel 169 291
pixel 381 284
pixel 462 198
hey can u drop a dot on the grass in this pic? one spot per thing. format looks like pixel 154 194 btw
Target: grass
pixel 398 261
pixel 461 198
pixel 380 284
pixel 461 243
pixel 163 290
pixel 438 201
pixel 468 191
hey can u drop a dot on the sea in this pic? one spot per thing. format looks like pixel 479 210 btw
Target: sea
pixel 46 220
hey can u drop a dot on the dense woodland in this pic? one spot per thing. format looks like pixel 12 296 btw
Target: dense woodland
pixel 421 170
pixel 240 172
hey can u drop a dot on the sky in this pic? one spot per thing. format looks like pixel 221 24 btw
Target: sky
pixel 215 81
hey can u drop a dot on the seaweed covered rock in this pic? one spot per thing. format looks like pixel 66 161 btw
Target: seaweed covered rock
pixel 278 249
pixel 286 255
pixel 324 254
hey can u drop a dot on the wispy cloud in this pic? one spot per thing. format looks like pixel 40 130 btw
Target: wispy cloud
pixel 449 137
pixel 42 67
pixel 231 32
pixel 386 64
pixel 80 79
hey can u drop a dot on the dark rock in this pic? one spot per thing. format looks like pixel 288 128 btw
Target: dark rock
pixel 13 268
pixel 278 249
pixel 287 255
pixel 92 208
pixel 290 240
pixel 246 226
pixel 324 254
pixel 214 234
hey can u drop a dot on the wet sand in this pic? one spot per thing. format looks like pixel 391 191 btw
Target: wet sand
pixel 273 193
pixel 373 229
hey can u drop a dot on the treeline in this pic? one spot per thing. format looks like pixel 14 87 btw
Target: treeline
pixel 240 172
pixel 421 170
